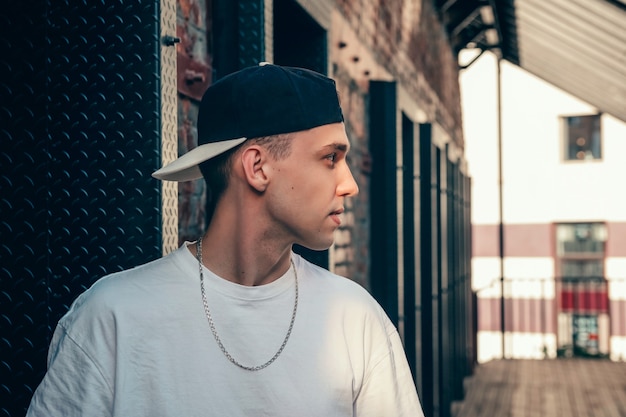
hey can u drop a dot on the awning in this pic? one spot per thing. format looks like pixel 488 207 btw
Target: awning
pixel 576 45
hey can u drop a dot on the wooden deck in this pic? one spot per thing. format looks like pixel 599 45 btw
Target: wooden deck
pixel 536 388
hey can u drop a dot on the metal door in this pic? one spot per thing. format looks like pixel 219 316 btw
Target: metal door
pixel 80 99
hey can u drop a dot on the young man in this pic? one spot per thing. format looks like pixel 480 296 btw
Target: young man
pixel 236 324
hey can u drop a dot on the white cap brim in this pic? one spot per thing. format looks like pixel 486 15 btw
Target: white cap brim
pixel 186 167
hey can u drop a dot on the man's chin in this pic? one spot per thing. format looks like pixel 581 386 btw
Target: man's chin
pixel 317 246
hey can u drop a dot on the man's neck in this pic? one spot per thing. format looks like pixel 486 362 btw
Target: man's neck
pixel 242 253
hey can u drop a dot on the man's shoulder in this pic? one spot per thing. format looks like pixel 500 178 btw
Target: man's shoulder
pixel 334 285
pixel 346 299
pixel 136 285
pixel 152 272
pixel 323 274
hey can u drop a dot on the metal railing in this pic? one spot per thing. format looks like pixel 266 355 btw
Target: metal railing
pixel 553 317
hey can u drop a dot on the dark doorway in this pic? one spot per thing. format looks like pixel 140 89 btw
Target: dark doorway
pixel 299 40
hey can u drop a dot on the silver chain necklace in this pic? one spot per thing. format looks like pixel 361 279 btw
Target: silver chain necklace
pixel 207 311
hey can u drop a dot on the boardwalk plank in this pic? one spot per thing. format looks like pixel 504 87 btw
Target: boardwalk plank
pixel 545 388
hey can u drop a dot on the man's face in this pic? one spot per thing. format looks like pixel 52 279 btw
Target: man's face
pixel 305 197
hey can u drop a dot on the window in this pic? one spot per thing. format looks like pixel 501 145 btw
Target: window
pixel 580 250
pixel 582 137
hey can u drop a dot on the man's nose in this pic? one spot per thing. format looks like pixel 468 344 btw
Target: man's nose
pixel 347 184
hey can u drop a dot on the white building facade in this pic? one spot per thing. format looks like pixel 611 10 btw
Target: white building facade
pixel 559 211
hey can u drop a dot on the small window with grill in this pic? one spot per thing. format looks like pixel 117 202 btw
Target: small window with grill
pixel 582 137
pixel 580 250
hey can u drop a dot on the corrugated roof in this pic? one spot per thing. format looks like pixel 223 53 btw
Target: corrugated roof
pixel 576 45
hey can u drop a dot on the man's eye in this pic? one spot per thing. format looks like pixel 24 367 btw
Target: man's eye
pixel 332 157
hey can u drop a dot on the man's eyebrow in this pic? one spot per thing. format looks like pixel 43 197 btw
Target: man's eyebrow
pixel 337 146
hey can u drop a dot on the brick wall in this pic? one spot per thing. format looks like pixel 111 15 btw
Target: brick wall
pixel 402 41
pixel 193 22
pixel 407 38
pixel 350 254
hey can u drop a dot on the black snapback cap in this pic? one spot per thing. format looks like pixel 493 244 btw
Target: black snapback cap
pixel 255 102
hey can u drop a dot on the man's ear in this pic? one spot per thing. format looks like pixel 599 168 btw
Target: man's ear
pixel 253 160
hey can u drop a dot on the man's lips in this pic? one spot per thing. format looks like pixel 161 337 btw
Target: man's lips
pixel 335 215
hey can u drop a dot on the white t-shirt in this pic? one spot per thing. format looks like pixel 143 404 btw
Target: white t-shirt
pixel 138 343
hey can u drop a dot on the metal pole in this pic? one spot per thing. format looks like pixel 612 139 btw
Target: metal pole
pixel 500 207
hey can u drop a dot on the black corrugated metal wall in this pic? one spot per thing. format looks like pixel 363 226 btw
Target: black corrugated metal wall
pixel 80 110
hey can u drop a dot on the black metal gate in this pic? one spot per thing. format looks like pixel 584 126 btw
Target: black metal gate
pixel 447 343
pixel 420 258
pixel 80 135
